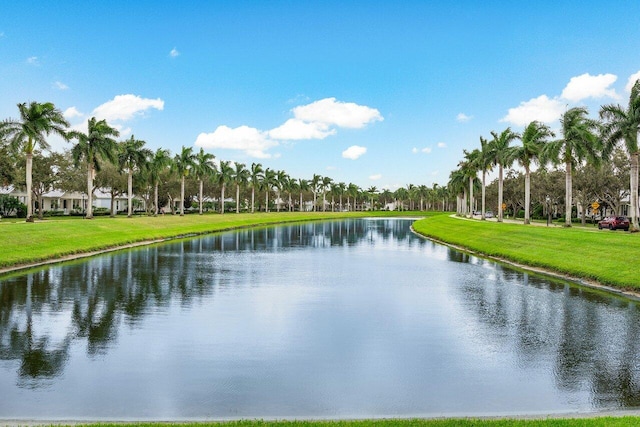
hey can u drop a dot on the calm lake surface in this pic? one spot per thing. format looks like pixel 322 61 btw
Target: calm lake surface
pixel 358 318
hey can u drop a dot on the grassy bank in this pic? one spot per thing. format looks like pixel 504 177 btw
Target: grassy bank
pixel 608 257
pixel 24 243
pixel 560 422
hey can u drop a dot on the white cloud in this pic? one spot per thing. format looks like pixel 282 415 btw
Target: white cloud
pixel 295 129
pixel 174 52
pixel 33 60
pixel 632 81
pixel 375 177
pixel 61 86
pixel 341 114
pixel 354 152
pixel 588 86
pixel 414 150
pixel 462 117
pixel 541 108
pixel 442 145
pixel 126 107
pixel 71 113
pixel 426 150
pixel 250 140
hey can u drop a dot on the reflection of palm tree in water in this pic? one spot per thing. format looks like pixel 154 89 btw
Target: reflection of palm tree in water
pixel 93 296
pixel 569 327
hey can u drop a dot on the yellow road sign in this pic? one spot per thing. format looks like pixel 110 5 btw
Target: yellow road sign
pixel 595 206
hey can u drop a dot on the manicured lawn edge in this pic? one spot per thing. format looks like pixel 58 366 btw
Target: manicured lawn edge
pixel 596 421
pixel 591 257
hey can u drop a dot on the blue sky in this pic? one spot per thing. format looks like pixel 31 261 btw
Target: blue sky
pixel 375 93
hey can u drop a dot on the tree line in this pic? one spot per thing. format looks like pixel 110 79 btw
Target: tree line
pixel 584 145
pixel 191 178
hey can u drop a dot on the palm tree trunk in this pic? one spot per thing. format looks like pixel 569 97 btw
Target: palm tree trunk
pixel 300 200
pixel 500 185
pixel 266 206
pixel 129 195
pixel 315 200
pixel 113 204
pixel 237 198
pixel 222 200
pixel 324 201
pixel 155 195
pixel 568 196
pixel 634 190
pixel 182 196
pixel 484 191
pixel 527 194
pixel 89 214
pixel 29 184
pixel 470 197
pixel 290 204
pixel 253 198
pixel 200 197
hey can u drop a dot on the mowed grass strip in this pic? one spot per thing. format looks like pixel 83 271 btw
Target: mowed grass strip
pixel 453 422
pixel 23 243
pixel 608 257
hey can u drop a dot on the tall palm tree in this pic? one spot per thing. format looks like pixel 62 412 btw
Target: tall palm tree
pixel 182 164
pixel 485 164
pixel 132 156
pixel 353 191
pixel 372 192
pixel 223 177
pixel 534 137
pixel 470 167
pixel 503 157
pixel 303 186
pixel 94 147
pixel 268 182
pixel 341 188
pixel 326 182
pixel 292 186
pixel 159 162
pixel 37 120
pixel 256 178
pixel 579 142
pixel 315 183
pixel 281 181
pixel 203 168
pixel 241 177
pixel 623 125
pixel 458 185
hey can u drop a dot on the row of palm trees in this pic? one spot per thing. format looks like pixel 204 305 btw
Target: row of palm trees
pixel 581 140
pixel 98 146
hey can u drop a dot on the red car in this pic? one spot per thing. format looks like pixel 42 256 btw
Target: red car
pixel 614 223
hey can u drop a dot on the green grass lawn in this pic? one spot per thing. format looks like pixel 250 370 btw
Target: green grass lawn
pixel 608 257
pixel 23 243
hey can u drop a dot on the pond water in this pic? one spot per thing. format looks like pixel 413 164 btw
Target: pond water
pixel 357 318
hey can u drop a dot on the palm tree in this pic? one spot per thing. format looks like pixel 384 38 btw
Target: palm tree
pixel 203 168
pixel 534 137
pixel 326 182
pixel 623 125
pixel 341 188
pixel 315 183
pixel 241 177
pixel 182 164
pixel 303 186
pixel 503 156
pixel 372 192
pixel 458 185
pixel 94 147
pixel 292 186
pixel 159 162
pixel 132 156
pixel 268 181
pixel 485 164
pixel 256 177
pixel 281 180
pixel 470 169
pixel 579 142
pixel 222 178
pixel 36 121
pixel 353 191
